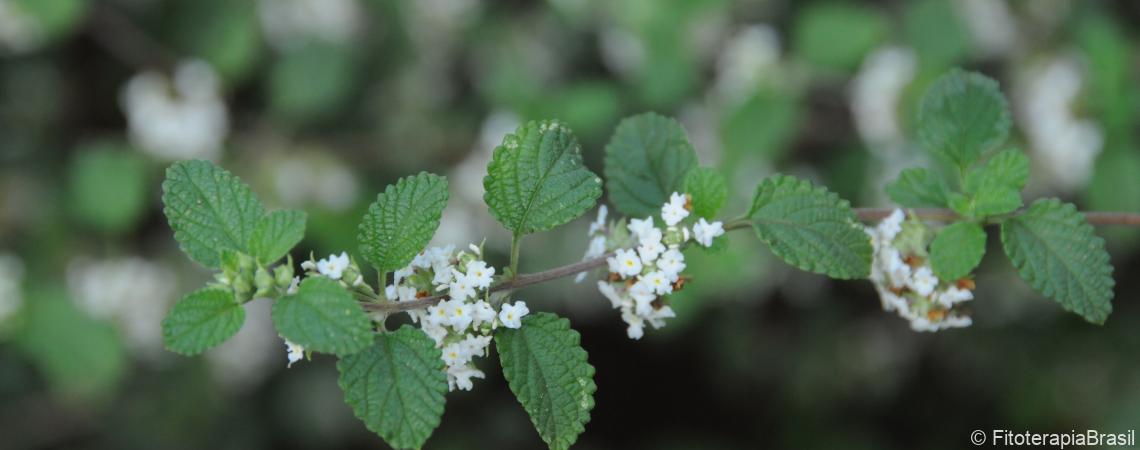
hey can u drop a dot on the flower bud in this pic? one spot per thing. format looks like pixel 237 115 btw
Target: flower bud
pixel 263 281
pixel 283 275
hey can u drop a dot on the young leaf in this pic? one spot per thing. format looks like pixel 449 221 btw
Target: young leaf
pixel 402 220
pixel 962 116
pixel 810 228
pixel 396 386
pixel 323 317
pixel 547 370
pixel 957 250
pixel 646 160
pixel 708 190
pixel 202 320
pixel 536 180
pixel 209 209
pixel 995 188
pixel 276 234
pixel 1057 253
pixel 918 188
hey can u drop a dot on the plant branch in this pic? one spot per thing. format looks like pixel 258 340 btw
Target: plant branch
pixel 864 214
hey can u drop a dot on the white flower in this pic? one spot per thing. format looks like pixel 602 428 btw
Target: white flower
pixel 180 118
pixel 954 295
pixel 674 211
pixel 636 327
pixel 476 345
pixel 891 225
pixel 460 377
pixel 610 293
pixel 333 267
pixel 625 263
pixel 511 315
pixel 923 282
pixel 443 275
pixel 294 286
pixel 295 352
pixel 399 275
pixel 659 282
pixel 897 269
pixel 599 224
pixel 456 354
pixel 649 251
pixel 459 315
pixel 643 296
pixel 705 232
pixel 479 274
pixel 482 312
pixel 596 249
pixel 438 314
pixel 434 330
pixel 460 288
pixel 658 316
pixel 671 263
pixel 640 227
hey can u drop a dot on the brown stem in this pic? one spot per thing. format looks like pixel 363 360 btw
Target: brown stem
pixel 864 214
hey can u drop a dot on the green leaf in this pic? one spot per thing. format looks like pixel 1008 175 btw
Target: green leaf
pixel 708 190
pixel 202 320
pixel 957 250
pixel 109 203
pixel 1057 253
pixel 209 209
pixel 323 317
pixel 396 386
pixel 962 116
pixel 225 33
pixel 918 188
pixel 312 81
pixel 536 180
pixel 995 188
pixel 402 220
pixel 646 160
pixel 546 368
pixel 810 228
pixel 276 234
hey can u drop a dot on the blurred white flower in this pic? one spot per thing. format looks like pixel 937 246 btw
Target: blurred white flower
pixel 295 352
pixel 317 178
pixel 11 279
pixel 19 33
pixel 288 23
pixel 622 51
pixel 704 232
pixel 243 361
pixel 875 97
pixel 675 210
pixel 183 118
pixel 132 292
pixel 1063 144
pixel 749 57
pixel 992 25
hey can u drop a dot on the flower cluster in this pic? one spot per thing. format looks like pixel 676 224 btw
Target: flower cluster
pixel 906 284
pixel 461 325
pixel 641 275
pixel 180 118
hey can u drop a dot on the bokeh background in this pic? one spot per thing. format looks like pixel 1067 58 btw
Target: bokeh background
pixel 319 104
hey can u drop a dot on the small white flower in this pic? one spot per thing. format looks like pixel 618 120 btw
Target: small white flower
pixel 455 354
pixel 511 315
pixel 438 314
pixel 625 263
pixel 443 275
pixel 659 282
pixel 640 227
pixel 923 282
pixel 599 224
pixel 671 263
pixel 636 327
pixel 649 251
pixel 658 316
pixel 897 269
pixel 435 331
pixel 643 296
pixel 891 225
pixel 295 352
pixel 674 211
pixel 705 232
pixel 479 274
pixel 294 286
pixel 482 312
pixel 399 275
pixel 333 267
pixel 459 315
pixel 476 345
pixel 460 287
pixel 611 294
pixel 954 295
pixel 460 377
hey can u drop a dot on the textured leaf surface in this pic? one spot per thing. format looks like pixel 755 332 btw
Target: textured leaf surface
pixel 957 250
pixel 1057 253
pixel 402 220
pixel 209 209
pixel 546 368
pixel 396 386
pixel 995 188
pixel 810 228
pixel 276 234
pixel 323 317
pixel 202 320
pixel 646 160
pixel 918 188
pixel 963 115
pixel 536 180
pixel 708 190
